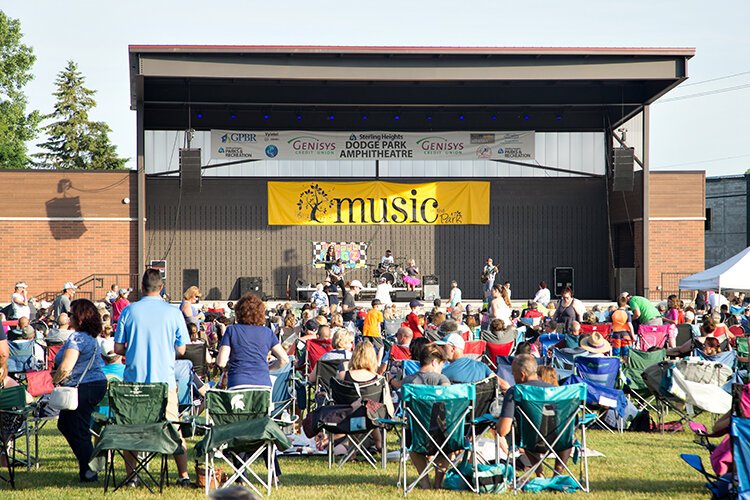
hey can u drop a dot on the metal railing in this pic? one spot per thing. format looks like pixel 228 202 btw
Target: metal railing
pixel 95 286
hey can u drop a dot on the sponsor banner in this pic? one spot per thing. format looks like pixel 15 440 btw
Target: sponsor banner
pixel 353 203
pixel 302 145
pixel 352 254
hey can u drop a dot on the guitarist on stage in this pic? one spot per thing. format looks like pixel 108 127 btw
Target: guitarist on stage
pixel 337 274
pixel 488 278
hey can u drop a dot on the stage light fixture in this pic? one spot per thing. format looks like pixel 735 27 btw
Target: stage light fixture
pixel 364 118
pixel 233 117
pixel 299 118
pixel 429 118
pixel 331 117
pixel 266 117
pixel 200 115
pixel 396 117
pixel 558 117
pixel 493 117
pixel 461 117
pixel 526 117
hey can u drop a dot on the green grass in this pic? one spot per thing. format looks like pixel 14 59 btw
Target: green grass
pixel 636 466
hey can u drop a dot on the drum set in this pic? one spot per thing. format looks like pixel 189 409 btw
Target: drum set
pixel 393 274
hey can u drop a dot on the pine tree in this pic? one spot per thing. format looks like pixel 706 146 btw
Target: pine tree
pixel 75 142
pixel 16 126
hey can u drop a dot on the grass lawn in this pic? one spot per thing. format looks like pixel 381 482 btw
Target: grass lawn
pixel 636 466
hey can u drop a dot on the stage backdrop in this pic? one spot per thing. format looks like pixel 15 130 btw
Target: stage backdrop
pixel 535 225
pixel 374 202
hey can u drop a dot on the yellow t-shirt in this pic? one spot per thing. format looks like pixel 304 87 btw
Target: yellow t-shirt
pixel 373 320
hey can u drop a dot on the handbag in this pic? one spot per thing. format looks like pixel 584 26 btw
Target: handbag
pixel 66 398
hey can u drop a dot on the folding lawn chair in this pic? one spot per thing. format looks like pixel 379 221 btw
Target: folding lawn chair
pixel 22 358
pixel 718 486
pixel 436 419
pixel 652 336
pixel 196 353
pixel 634 383
pixel 392 326
pixel 283 395
pixel 410 366
pixel 492 351
pixel 742 351
pixel 740 436
pixel 325 371
pixel 727 358
pixel 547 340
pixel 475 350
pixel 400 353
pixel 314 350
pixel 14 415
pixel 563 360
pixel 358 426
pixel 432 335
pixel 138 423
pixel 504 370
pixel 600 376
pixel 684 333
pixel 545 423
pixel 240 431
pixel 603 328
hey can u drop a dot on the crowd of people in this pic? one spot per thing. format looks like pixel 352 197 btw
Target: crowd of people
pixel 247 341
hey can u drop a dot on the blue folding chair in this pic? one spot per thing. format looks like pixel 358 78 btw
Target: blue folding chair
pixel 740 433
pixel 718 486
pixel 504 371
pixel 410 366
pixel 728 358
pixel 600 376
pixel 283 395
pixel 563 360
pixel 547 340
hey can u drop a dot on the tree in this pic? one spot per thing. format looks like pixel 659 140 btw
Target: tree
pixel 315 200
pixel 74 141
pixel 16 126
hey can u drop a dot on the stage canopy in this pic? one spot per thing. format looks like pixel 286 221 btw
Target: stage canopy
pixel 731 275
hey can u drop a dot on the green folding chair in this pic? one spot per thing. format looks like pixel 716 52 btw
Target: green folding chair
pixel 14 414
pixel 238 423
pixel 742 351
pixel 545 423
pixel 634 384
pixel 436 419
pixel 138 424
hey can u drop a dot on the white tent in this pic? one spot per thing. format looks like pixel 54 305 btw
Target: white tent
pixel 731 275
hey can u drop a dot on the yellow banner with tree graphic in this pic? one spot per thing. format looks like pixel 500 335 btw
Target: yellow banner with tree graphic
pixel 349 203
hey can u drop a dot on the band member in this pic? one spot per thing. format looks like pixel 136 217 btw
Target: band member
pixel 386 260
pixel 488 278
pixel 337 273
pixel 330 258
pixel 410 275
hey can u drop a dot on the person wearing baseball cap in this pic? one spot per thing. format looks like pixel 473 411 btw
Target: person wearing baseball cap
pixel 20 301
pixel 349 306
pixel 412 319
pixel 62 301
pixel 462 369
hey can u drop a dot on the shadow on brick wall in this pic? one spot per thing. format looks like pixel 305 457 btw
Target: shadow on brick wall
pixel 65 214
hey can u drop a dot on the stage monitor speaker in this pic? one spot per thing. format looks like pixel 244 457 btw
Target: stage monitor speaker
pixel 563 278
pixel 252 285
pixel 190 277
pixel 190 171
pixel 431 292
pixel 304 295
pixel 430 279
pixel 623 167
pixel 404 295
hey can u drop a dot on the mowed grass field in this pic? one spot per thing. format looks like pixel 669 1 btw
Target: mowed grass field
pixel 636 466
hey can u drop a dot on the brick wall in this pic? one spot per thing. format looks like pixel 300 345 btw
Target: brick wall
pixel 64 226
pixel 674 247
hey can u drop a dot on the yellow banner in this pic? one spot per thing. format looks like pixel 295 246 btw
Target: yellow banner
pixel 347 203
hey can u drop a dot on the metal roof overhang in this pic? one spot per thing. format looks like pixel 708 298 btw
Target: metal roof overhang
pixel 428 88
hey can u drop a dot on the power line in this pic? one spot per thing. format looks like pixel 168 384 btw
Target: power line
pixel 715 79
pixel 704 94
pixel 703 161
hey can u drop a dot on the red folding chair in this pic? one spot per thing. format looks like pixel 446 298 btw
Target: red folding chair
pixel 8 324
pixel 492 351
pixel 400 353
pixel 737 331
pixel 652 336
pixel 603 328
pixel 314 350
pixel 52 351
pixel 475 350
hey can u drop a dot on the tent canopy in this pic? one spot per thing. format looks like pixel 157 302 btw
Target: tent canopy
pixel 731 275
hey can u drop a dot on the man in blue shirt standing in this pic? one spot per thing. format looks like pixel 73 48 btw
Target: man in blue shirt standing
pixel 149 333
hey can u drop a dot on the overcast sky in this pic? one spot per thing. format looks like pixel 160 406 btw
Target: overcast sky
pixel 705 132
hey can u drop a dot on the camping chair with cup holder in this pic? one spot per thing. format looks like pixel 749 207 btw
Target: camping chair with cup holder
pixel 138 424
pixel 634 383
pixel 652 336
pixel 14 425
pixel 601 375
pixel 240 431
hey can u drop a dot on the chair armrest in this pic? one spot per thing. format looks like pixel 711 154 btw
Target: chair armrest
pixel 391 421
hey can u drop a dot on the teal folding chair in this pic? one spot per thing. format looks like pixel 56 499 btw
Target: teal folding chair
pixel 436 419
pixel 545 423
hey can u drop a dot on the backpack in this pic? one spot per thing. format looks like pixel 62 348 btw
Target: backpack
pixel 642 422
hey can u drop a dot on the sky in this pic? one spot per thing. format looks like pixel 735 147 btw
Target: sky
pixel 700 133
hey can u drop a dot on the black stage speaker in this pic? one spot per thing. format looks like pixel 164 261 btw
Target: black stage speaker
pixel 190 277
pixel 253 285
pixel 623 166
pixel 404 295
pixel 430 279
pixel 563 278
pixel 190 171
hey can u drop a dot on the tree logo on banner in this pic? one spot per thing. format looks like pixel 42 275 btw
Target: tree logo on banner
pixel 313 202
